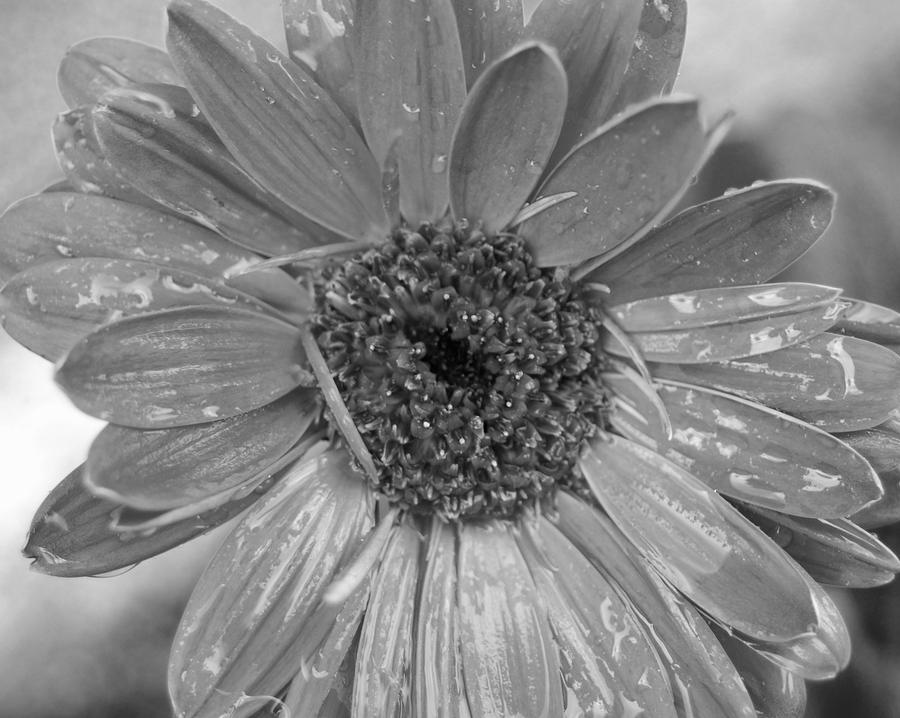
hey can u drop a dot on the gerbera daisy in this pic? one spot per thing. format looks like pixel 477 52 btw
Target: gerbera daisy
pixel 506 440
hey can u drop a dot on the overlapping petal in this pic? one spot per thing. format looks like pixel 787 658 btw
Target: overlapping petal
pixel 487 29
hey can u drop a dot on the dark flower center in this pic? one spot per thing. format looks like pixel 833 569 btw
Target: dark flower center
pixel 472 375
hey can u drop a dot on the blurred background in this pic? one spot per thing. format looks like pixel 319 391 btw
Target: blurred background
pixel 816 88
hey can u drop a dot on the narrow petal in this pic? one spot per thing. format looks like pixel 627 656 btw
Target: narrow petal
pixel 627 175
pixel 283 128
pixel 384 656
pixel 654 60
pixel 594 41
pixel 702 676
pixel 252 606
pixel 438 690
pixel 72 535
pixel 487 29
pixel 152 136
pixel 699 543
pixel 834 382
pixel 412 84
pixel 321 34
pixel 183 366
pixel 507 130
pixel 50 306
pixel 509 659
pixel 744 237
pixel 732 338
pixel 608 661
pixel 835 552
pixel 66 225
pixel 166 468
pixel 757 455
pixel 871 321
pixel 91 67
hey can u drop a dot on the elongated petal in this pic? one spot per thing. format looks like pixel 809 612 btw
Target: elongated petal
pixel 509 658
pixel 412 84
pixel 703 677
pixel 50 306
pixel 744 237
pixel 163 469
pixel 835 552
pixel 699 543
pixel 283 128
pixel 183 366
pixel 833 382
pixel 250 608
pixel 757 455
pixel 321 35
pixel 608 661
pixel 66 225
pixel 654 60
pixel 627 174
pixel 385 644
pixel 506 132
pixel 871 321
pixel 487 29
pixel 91 67
pixel 731 339
pixel 594 41
pixel 885 510
pixel 72 535
pixel 880 445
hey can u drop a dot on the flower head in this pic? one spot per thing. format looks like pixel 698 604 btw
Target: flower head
pixel 506 440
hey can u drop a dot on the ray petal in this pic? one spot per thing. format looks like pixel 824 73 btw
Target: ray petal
pixel 871 321
pixel 487 29
pixel 885 510
pixel 880 445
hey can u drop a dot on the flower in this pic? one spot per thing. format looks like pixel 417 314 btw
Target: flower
pixel 505 440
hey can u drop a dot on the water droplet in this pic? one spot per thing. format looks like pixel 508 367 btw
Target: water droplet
pixel 534 167
pixel 438 163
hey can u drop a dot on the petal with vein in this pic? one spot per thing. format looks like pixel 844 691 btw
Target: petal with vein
pixel 487 29
pixel 699 543
pixel 282 127
pixel 183 366
pixel 510 661
pixel 506 132
pixel 411 78
pixel 880 445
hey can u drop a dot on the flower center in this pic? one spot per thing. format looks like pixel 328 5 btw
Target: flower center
pixel 472 375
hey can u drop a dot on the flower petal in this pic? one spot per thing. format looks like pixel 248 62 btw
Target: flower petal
pixel 757 455
pixel 744 237
pixel 833 382
pixel 507 130
pixel 699 543
pixel 72 535
pixel 65 225
pixel 594 41
pixel 880 445
pixel 509 658
pixel 654 60
pixel 627 174
pixel 91 67
pixel 412 84
pixel 320 34
pixel 609 664
pixel 385 644
pixel 50 306
pixel 702 676
pixel 871 321
pixel 885 510
pixel 835 552
pixel 166 468
pixel 282 127
pixel 183 366
pixel 487 29
pixel 243 631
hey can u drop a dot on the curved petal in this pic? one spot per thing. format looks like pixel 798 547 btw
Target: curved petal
pixel 757 455
pixel 744 237
pixel 627 174
pixel 509 658
pixel 167 468
pixel 871 321
pixel 506 132
pixel 282 127
pixel 91 67
pixel 699 543
pixel 885 510
pixel 487 29
pixel 412 84
pixel 880 445
pixel 183 366
pixel 245 626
